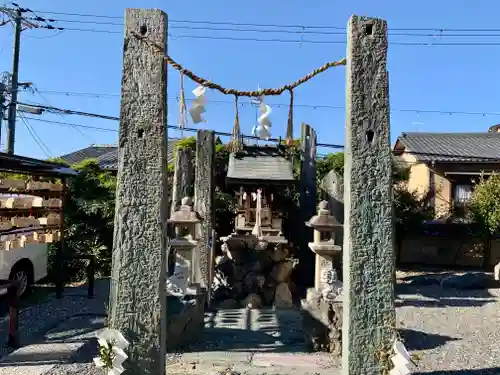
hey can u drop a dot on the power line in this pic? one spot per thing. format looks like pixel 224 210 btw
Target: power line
pixel 296 41
pixel 282 105
pixel 35 136
pixel 69 111
pixel 298 29
pixel 219 133
pixel 62 116
pixel 299 26
pixel 325 145
pixel 69 124
pixel 303 31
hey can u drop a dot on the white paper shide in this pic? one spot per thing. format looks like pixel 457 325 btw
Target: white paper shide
pixel 403 364
pixel 112 354
pixel 198 106
pixel 262 129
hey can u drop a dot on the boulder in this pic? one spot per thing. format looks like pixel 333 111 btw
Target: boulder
pixel 253 301
pixel 322 324
pixel 283 297
pixel 282 271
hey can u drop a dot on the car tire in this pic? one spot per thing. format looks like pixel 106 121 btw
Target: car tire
pixel 23 273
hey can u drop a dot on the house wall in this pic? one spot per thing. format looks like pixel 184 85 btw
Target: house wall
pixel 424 177
pixel 419 174
pixel 443 198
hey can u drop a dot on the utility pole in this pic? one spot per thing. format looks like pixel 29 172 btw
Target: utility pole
pixel 11 128
pixel 2 100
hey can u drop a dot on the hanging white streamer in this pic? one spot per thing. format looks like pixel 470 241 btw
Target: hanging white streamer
pixel 261 130
pixel 198 105
pixel 402 360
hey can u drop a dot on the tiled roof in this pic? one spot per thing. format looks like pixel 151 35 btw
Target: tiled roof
pixel 260 163
pixel 451 147
pixel 107 155
pixel 91 152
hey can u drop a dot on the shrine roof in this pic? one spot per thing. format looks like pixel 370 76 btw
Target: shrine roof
pixel 260 164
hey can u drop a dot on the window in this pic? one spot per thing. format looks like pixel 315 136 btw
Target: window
pixel 462 193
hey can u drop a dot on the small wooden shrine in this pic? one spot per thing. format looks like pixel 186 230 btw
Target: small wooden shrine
pixel 258 174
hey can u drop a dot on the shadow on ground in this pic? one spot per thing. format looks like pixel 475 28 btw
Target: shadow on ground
pixel 445 290
pixel 418 340
pixel 237 331
pixel 485 371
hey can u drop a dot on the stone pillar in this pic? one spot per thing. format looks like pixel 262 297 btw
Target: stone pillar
pixel 204 189
pixel 307 200
pixel 332 187
pixel 369 264
pixel 137 297
pixel 183 176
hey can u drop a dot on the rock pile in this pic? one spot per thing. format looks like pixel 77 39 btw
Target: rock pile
pixel 322 315
pixel 252 273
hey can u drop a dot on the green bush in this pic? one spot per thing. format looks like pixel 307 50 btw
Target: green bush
pixel 485 203
pixel 88 218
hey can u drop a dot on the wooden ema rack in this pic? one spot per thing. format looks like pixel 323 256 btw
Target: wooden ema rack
pixel 30 212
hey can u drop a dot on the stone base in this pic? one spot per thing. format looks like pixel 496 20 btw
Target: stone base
pixel 185 319
pixel 322 324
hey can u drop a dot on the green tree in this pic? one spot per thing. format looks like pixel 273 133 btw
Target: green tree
pixel 485 203
pixel 89 218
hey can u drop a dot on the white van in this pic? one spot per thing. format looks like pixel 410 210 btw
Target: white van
pixel 27 264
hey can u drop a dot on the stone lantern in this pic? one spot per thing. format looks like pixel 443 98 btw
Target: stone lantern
pixel 322 309
pixel 323 245
pixel 183 244
pixel 185 299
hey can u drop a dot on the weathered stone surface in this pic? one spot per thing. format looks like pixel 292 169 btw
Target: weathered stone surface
pixel 279 253
pixel 369 273
pixel 254 282
pixel 267 293
pixel 333 191
pixel 235 250
pixel 185 320
pixel 307 202
pixel 253 301
pixel 282 271
pixel 204 189
pixel 322 324
pixel 283 296
pixel 137 296
pixel 333 187
pixel 183 176
pixel 228 304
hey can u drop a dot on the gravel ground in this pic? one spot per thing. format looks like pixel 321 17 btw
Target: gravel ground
pixel 452 331
pixel 35 321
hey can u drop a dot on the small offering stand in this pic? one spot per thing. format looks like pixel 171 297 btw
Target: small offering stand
pixel 31 211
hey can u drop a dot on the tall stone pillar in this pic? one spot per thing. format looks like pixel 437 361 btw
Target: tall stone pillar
pixel 204 190
pixel 369 264
pixel 183 176
pixel 138 294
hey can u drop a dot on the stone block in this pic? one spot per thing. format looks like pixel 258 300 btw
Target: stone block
pixel 185 320
pixel 322 324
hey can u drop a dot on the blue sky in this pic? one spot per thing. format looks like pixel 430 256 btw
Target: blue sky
pixel 425 77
